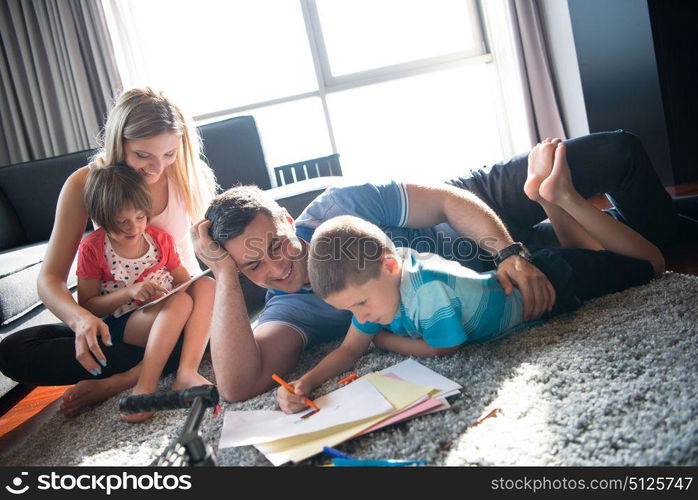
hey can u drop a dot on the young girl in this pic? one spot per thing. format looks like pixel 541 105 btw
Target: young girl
pixel 148 132
pixel 126 263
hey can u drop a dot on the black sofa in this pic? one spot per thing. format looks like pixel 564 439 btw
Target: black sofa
pixel 29 193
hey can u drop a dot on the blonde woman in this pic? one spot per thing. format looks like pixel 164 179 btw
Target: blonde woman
pixel 149 133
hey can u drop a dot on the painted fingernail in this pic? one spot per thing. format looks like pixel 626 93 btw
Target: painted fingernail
pixel 95 371
pixel 108 342
pixel 102 362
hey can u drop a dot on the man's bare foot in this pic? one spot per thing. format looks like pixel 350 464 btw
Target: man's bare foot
pixel 143 416
pixel 558 187
pixel 187 380
pixel 90 392
pixel 540 164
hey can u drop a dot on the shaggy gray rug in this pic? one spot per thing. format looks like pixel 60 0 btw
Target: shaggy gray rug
pixel 615 383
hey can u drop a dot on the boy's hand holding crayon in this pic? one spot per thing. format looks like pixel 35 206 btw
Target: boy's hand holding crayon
pixel 293 403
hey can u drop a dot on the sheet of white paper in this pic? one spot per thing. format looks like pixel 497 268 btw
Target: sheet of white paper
pixel 448 394
pixel 356 401
pixel 176 289
pixel 415 372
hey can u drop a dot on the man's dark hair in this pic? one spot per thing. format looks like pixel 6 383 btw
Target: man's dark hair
pixel 233 210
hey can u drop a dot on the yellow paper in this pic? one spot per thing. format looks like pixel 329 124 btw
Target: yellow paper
pixel 400 394
pixel 299 448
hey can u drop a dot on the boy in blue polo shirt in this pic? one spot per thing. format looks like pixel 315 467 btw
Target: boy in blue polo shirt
pixel 421 304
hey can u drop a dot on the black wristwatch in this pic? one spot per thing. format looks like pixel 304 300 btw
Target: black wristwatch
pixel 517 248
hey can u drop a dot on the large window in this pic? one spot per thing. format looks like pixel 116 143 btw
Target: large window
pixel 399 88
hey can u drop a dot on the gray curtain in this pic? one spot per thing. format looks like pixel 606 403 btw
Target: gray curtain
pixel 537 79
pixel 58 75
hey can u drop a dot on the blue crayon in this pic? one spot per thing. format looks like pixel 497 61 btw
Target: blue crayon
pixel 335 453
pixel 354 462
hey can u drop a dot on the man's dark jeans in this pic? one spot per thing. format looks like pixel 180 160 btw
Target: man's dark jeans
pixel 611 163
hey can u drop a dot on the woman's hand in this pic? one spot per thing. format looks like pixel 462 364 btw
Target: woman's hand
pixel 290 402
pixel 146 291
pixel 87 328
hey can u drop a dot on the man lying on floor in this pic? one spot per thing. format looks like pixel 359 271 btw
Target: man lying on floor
pixel 472 220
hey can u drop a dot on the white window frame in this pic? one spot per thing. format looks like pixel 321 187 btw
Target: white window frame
pixel 328 83
pixel 385 73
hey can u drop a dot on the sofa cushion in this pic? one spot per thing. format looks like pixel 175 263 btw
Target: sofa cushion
pixel 32 188
pixel 19 270
pixel 11 234
pixel 233 150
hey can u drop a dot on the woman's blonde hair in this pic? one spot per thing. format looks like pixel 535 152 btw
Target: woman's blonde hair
pixel 143 113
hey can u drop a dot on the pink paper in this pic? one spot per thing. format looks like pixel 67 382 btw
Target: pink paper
pixel 412 411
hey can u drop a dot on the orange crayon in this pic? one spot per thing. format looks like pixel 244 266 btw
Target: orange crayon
pixel 348 379
pixel 485 416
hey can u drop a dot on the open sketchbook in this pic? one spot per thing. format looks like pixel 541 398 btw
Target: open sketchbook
pixel 183 286
pixel 400 392
pixel 357 401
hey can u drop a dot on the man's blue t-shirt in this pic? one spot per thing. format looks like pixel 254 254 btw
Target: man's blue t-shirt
pixel 447 304
pixel 386 206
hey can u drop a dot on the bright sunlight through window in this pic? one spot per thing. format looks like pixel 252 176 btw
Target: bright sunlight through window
pixel 365 34
pixel 399 88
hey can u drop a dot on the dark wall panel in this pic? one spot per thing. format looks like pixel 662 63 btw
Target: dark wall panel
pixel 618 69
pixel 675 30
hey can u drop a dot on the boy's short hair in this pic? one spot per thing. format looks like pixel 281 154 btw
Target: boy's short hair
pixel 233 210
pixel 112 188
pixel 345 251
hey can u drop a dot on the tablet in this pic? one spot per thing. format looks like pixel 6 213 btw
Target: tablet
pixel 176 289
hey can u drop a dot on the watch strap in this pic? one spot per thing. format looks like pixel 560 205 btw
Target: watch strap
pixel 516 248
